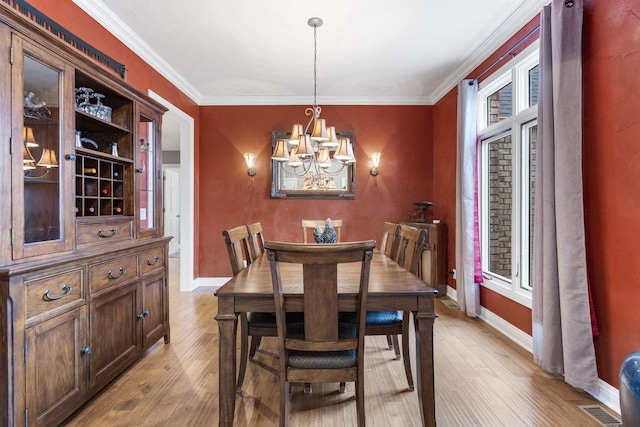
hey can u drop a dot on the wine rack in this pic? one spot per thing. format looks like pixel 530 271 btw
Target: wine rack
pixel 104 177
pixel 101 186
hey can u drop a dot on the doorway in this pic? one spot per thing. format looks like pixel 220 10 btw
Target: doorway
pixel 185 197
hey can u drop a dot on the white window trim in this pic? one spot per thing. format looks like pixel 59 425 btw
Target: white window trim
pixel 522 118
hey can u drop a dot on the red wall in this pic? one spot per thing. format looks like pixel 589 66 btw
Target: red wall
pixel 403 134
pixel 611 61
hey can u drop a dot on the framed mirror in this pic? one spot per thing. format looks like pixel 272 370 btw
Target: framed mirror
pixel 311 180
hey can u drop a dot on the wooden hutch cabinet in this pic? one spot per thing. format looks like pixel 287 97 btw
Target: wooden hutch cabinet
pixel 83 260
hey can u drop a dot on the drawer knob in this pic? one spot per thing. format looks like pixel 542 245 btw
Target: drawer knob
pixel 47 294
pixel 147 313
pixel 155 260
pixel 112 230
pixel 86 350
pixel 122 270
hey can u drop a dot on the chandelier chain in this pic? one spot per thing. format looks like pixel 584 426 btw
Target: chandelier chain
pixel 315 66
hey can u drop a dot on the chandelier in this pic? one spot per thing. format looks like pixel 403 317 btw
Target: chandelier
pixel 311 154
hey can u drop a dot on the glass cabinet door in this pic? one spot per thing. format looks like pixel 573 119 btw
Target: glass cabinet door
pixel 41 180
pixel 149 169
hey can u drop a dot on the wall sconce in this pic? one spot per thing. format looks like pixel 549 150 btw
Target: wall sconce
pixel 375 159
pixel 250 159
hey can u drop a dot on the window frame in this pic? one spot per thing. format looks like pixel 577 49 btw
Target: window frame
pixel 523 118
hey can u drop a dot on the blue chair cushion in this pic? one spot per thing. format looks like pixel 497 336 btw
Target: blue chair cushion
pixel 322 359
pixel 375 317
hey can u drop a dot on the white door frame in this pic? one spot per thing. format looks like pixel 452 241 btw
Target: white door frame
pixel 187 192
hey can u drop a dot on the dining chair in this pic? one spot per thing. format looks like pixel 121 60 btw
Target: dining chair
pixel 321 348
pixel 409 246
pixel 256 325
pixel 311 224
pixel 389 241
pixel 256 240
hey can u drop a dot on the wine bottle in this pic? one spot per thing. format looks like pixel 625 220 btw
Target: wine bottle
pixel 115 174
pixel 77 209
pixel 92 209
pixel 90 170
pixel 117 209
pixel 105 191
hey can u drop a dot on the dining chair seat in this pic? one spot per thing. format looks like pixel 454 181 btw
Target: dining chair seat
pixel 376 318
pixel 261 320
pixel 322 359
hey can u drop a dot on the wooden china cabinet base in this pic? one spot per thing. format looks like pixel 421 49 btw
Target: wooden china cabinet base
pixel 71 325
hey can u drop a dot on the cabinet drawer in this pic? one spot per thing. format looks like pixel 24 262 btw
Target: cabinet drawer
pixel 151 260
pixel 104 231
pixel 55 291
pixel 112 273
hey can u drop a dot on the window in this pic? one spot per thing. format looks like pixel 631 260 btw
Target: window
pixel 507 123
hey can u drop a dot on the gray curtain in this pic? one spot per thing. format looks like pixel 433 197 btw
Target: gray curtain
pixel 466 287
pixel 562 333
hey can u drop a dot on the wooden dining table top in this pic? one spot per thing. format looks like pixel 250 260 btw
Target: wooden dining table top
pixel 386 277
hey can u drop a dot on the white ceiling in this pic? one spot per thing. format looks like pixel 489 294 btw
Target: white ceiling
pixel 260 52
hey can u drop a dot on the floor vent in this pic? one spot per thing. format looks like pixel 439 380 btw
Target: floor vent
pixel 599 414
pixel 450 304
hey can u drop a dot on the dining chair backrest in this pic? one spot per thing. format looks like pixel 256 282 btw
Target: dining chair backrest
pixel 320 284
pixel 389 241
pixel 237 241
pixel 311 224
pixel 256 240
pixel 411 243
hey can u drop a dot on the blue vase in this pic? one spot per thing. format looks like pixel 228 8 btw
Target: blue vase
pixel 630 390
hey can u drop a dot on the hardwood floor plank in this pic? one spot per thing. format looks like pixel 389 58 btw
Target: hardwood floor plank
pixel 482 379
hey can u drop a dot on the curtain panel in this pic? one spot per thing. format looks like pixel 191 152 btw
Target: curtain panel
pixel 562 331
pixel 467 246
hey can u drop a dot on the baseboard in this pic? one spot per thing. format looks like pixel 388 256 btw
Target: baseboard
pixel 213 282
pixel 608 394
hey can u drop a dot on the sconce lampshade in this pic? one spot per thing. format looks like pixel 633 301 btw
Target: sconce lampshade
pixel 375 160
pixel 27 137
pixel 48 159
pixel 250 159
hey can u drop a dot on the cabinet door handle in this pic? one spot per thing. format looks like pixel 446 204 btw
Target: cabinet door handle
pixel 86 350
pixel 155 260
pixel 122 270
pixel 146 313
pixel 47 294
pixel 112 230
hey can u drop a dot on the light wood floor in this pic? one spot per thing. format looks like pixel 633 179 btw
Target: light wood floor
pixel 482 379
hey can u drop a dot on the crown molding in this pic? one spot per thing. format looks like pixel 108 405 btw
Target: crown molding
pixel 307 100
pixel 105 17
pixel 479 51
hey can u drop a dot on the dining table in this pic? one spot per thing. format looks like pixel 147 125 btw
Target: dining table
pixel 391 287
